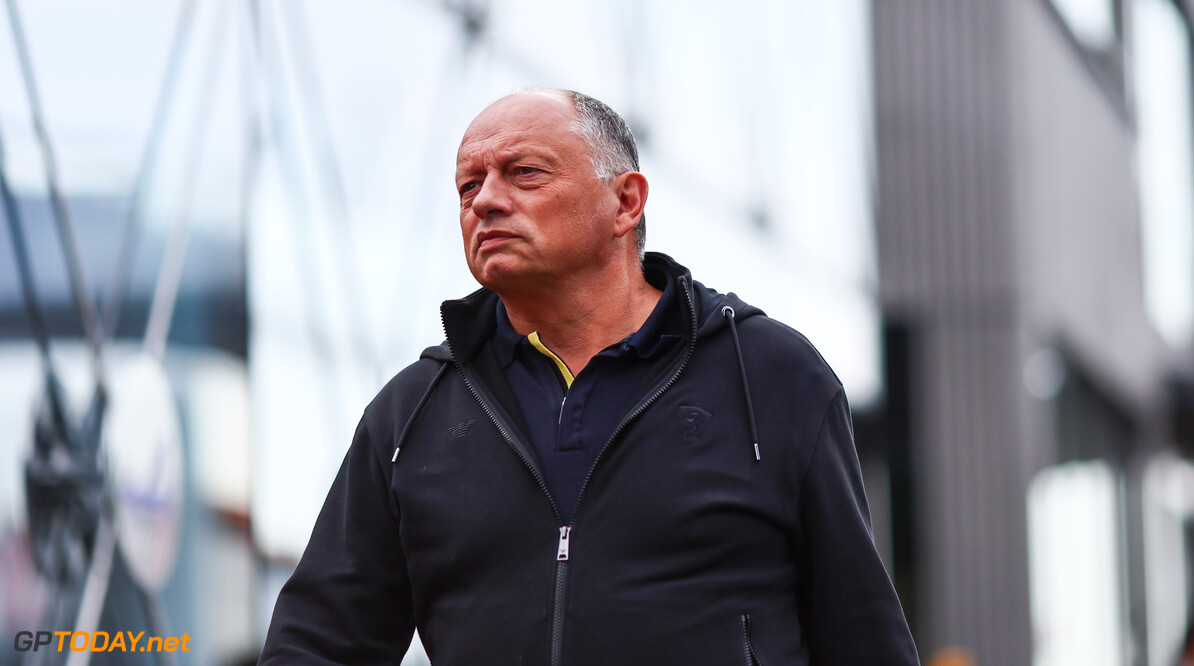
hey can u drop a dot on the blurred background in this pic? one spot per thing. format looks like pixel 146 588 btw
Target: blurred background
pixel 229 222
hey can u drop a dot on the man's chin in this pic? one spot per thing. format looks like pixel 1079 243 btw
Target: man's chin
pixel 507 276
pixel 494 272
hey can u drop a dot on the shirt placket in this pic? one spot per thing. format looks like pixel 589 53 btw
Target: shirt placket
pixel 569 435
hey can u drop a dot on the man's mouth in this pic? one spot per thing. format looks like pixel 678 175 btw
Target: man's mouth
pixel 487 240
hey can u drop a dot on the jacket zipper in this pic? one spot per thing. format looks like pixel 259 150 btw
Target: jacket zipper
pixel 510 440
pixel 752 658
pixel 562 549
pixel 557 621
pixel 557 615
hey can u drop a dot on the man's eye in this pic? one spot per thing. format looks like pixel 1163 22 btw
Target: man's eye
pixel 525 170
pixel 467 187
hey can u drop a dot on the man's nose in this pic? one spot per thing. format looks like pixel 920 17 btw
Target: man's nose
pixel 492 199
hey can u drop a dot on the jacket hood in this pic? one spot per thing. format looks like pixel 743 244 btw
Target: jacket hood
pixel 470 321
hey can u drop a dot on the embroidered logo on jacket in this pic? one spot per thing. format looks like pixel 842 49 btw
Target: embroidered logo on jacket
pixel 693 420
pixel 462 429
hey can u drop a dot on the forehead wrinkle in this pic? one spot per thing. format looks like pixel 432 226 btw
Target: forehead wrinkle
pixel 471 153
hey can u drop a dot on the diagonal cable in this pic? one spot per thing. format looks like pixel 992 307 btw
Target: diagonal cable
pixel 165 293
pixel 319 128
pixel 115 292
pixel 277 126
pixel 20 248
pixel 66 229
pixel 95 588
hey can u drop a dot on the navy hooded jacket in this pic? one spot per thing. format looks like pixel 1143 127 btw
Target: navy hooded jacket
pixel 694 541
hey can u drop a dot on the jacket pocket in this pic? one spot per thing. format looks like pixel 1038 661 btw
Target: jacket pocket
pixel 752 659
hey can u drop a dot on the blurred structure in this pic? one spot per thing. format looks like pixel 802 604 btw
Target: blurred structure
pixel 1035 258
pixel 981 212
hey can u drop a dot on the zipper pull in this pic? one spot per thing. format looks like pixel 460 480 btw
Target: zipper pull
pixel 562 551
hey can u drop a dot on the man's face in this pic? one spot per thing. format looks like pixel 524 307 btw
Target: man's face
pixel 532 209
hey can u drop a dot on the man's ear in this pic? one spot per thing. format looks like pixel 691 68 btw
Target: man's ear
pixel 631 188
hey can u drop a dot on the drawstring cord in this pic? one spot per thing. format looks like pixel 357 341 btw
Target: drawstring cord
pixel 418 408
pixel 728 313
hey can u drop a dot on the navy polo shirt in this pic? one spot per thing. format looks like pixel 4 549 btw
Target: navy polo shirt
pixel 570 419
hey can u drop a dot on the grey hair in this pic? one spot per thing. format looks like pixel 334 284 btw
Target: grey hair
pixel 610 141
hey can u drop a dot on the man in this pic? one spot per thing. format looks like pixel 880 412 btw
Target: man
pixel 605 463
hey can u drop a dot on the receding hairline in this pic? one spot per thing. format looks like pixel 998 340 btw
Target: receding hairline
pixel 562 95
pixel 558 93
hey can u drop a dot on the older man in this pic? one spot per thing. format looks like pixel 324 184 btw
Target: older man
pixel 605 463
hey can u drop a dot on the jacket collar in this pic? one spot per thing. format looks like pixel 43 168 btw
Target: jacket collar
pixel 470 321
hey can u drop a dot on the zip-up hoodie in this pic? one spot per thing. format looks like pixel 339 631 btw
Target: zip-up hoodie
pixel 724 522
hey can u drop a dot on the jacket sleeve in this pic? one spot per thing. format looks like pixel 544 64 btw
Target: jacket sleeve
pixel 349 600
pixel 848 606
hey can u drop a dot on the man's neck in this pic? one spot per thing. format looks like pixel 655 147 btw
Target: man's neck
pixel 577 321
